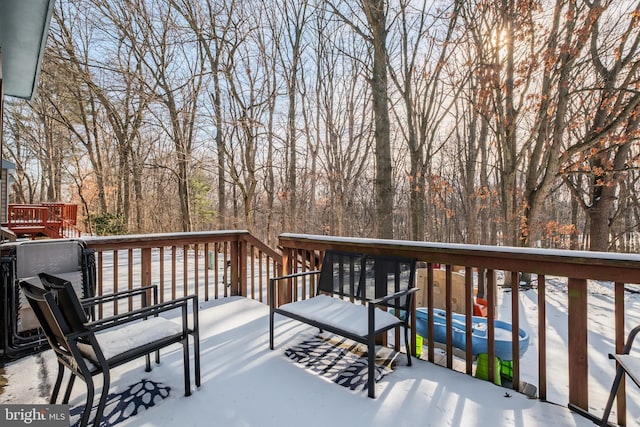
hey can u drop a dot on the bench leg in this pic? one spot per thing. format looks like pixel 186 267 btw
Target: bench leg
pixel 271 314
pixel 196 356
pixel 187 379
pixel 407 344
pixel 371 380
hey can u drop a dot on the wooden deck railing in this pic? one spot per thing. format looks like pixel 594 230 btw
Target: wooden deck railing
pixel 209 264
pixel 225 263
pixel 301 252
pixel 53 220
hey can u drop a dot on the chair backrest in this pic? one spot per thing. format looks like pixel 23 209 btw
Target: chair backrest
pixel 66 299
pixel 68 259
pixel 366 277
pixel 52 321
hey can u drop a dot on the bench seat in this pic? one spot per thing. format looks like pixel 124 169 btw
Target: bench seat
pixel 336 312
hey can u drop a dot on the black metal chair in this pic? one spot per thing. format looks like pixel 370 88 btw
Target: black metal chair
pixel 627 364
pixel 87 349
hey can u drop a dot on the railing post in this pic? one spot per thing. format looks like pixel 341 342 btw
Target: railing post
pixel 578 360
pixel 242 279
pixel 235 266
pixel 284 290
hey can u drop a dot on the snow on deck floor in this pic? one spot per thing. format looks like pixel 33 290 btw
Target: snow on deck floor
pixel 246 384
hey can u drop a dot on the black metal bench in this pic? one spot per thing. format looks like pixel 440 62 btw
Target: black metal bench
pixel 353 294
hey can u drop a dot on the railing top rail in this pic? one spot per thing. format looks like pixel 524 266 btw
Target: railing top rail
pixel 263 247
pixel 162 239
pixel 27 207
pixel 577 264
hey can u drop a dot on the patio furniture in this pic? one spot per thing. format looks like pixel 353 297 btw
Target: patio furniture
pixel 69 259
pixel 354 290
pixel 627 364
pixel 87 348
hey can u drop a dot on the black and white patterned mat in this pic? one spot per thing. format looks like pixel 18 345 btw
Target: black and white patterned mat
pixel 128 403
pixel 340 360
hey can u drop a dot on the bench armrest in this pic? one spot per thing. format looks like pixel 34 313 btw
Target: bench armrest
pixel 273 280
pixel 393 296
pixel 291 276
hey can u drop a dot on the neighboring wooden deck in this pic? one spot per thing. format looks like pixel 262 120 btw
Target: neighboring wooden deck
pixel 53 220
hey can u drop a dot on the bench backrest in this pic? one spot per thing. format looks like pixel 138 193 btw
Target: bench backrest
pixel 366 277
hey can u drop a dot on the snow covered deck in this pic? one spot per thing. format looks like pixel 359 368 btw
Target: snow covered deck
pixel 246 384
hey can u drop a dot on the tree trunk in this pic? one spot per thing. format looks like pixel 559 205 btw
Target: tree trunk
pixel 376 17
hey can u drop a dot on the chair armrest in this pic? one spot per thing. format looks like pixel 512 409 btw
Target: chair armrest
pixel 145 312
pixel 89 302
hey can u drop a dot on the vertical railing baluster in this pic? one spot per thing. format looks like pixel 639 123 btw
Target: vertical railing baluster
pixel 542 338
pixel 430 328
pixel 515 330
pixel 621 396
pixel 491 332
pixel 449 313
pixel 468 307
pixel 130 277
pixel 161 273
pixel 206 271
pixel 173 271
pixel 185 269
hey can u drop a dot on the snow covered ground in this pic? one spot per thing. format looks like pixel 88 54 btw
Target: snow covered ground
pixel 246 384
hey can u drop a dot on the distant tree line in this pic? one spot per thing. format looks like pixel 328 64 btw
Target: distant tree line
pixel 510 122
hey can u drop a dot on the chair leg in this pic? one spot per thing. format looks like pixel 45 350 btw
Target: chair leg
pixel 84 421
pixel 148 362
pixel 67 393
pixel 187 379
pixel 56 387
pixel 103 399
pixel 612 396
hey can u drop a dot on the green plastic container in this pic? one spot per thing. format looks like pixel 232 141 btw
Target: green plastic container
pixel 482 368
pixel 418 345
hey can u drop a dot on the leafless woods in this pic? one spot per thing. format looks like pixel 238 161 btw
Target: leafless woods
pixel 510 122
